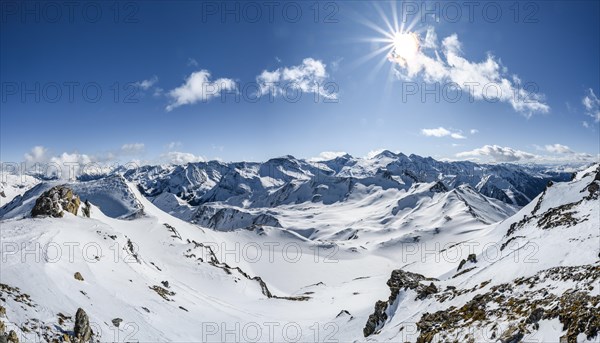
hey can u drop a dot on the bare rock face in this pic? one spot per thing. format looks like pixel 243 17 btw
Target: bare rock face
pixel 399 280
pixel 10 337
pixel 82 330
pixel 55 202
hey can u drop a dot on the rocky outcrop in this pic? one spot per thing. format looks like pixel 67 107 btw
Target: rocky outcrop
pixel 55 201
pixel 399 280
pixel 87 209
pixel 82 331
pixel 521 304
pixel 229 218
pixel 471 258
pixel 438 187
pixel 10 337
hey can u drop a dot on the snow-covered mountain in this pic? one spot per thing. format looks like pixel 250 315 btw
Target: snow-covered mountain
pixel 229 196
pixel 393 248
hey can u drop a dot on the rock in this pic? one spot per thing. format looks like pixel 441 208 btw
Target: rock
pixel 12 337
pixel 471 258
pixel 165 283
pixel 399 280
pixel 78 276
pixel 82 331
pixel 535 316
pixel 427 291
pixel 164 293
pixel 438 187
pixel 345 313
pixel 87 209
pixel 55 202
pixel 117 321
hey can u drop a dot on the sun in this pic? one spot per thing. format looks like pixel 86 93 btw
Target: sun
pixel 405 45
pixel 398 39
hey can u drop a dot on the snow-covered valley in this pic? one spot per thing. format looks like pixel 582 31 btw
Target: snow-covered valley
pixel 392 248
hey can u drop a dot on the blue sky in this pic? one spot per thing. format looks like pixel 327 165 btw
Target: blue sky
pixel 168 73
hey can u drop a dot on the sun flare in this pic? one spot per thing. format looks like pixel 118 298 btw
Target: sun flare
pixel 405 45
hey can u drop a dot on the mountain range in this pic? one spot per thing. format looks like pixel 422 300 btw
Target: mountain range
pixel 388 248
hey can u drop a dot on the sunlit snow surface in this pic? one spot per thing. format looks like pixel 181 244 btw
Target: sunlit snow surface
pixel 338 253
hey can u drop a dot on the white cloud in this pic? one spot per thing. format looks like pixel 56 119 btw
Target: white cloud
pixel 486 80
pixel 442 132
pixel 474 131
pixel 327 155
pixel 146 84
pixel 176 157
pixel 592 105
pixel 309 77
pixel 198 87
pixel 430 41
pixel 37 154
pixel 558 149
pixel 585 124
pixel 498 153
pixel 132 148
pixel 65 166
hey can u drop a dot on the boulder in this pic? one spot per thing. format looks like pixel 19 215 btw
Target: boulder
pixel 55 202
pixel 117 321
pixel 82 330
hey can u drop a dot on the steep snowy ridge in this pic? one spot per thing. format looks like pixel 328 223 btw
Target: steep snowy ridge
pixel 14 185
pixel 537 281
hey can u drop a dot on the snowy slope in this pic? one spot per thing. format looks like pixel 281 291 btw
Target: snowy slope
pixel 534 276
pixel 314 275
pixel 13 185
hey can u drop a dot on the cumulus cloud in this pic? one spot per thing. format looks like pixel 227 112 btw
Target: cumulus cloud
pixel 176 157
pixel 199 87
pixel 558 149
pixel 37 154
pixel 327 155
pixel 474 131
pixel 309 77
pixel 592 105
pixel 442 132
pixel 64 166
pixel 486 80
pixel 498 153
